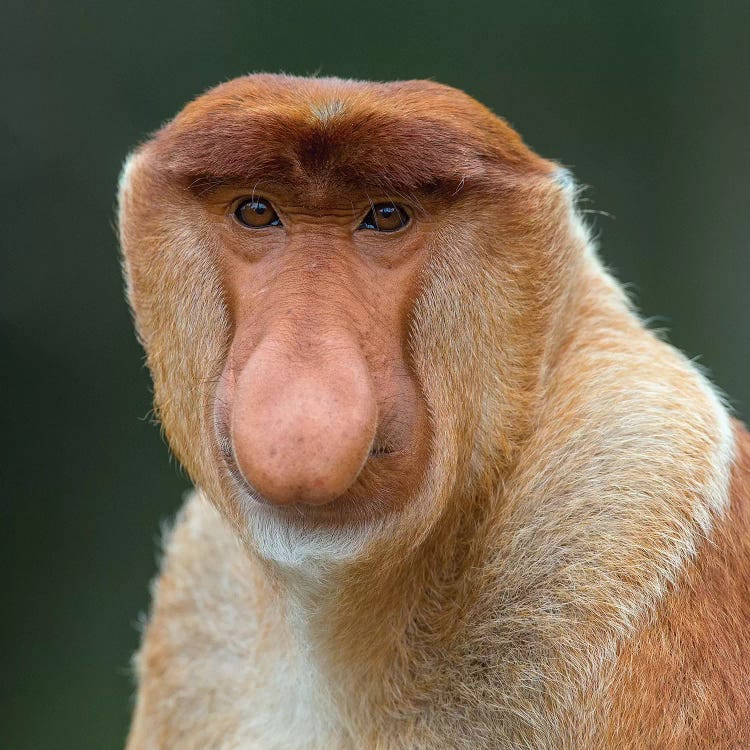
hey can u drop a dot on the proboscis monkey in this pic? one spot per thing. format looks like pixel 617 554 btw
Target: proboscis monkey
pixel 452 493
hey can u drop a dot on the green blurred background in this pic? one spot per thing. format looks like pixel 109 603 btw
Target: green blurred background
pixel 648 103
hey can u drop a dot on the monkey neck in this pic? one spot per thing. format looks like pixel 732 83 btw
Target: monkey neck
pixel 376 628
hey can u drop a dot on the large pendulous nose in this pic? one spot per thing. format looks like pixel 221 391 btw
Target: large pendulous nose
pixel 302 426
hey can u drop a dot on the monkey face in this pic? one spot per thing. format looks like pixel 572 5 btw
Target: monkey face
pixel 342 290
pixel 318 409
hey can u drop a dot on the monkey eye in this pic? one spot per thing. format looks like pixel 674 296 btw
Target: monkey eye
pixel 385 217
pixel 257 214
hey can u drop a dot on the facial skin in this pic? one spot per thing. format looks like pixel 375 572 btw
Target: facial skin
pixel 318 408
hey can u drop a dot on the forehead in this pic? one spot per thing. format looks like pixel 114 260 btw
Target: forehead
pixel 319 135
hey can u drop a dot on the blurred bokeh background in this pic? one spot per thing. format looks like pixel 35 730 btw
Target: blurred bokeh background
pixel 648 103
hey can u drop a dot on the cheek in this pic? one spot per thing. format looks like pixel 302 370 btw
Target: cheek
pixel 403 421
pixel 397 391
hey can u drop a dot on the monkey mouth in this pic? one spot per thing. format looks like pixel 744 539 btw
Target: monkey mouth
pixel 370 493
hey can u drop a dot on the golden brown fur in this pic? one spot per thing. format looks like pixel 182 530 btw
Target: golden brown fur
pixel 683 681
pixel 556 562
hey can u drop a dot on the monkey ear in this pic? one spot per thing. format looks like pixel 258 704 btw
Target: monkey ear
pixel 570 190
pixel 564 178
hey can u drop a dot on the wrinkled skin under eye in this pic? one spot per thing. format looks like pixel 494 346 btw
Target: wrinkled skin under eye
pixel 257 213
pixel 385 217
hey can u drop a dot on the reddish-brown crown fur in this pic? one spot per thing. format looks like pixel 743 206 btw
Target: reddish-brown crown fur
pixel 395 137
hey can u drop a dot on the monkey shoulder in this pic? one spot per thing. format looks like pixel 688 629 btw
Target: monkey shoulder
pixel 685 677
pixel 206 653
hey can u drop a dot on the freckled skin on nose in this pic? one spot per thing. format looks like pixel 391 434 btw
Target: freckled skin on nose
pixel 303 430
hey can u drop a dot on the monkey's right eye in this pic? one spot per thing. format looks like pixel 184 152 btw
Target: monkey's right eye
pixel 257 214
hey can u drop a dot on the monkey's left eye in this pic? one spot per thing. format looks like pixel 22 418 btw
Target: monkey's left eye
pixel 385 217
pixel 257 214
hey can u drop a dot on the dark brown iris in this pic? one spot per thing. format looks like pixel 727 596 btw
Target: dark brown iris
pixel 257 214
pixel 385 217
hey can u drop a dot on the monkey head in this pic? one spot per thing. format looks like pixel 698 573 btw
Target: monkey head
pixel 350 295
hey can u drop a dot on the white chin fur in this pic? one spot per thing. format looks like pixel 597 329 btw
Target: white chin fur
pixel 298 544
